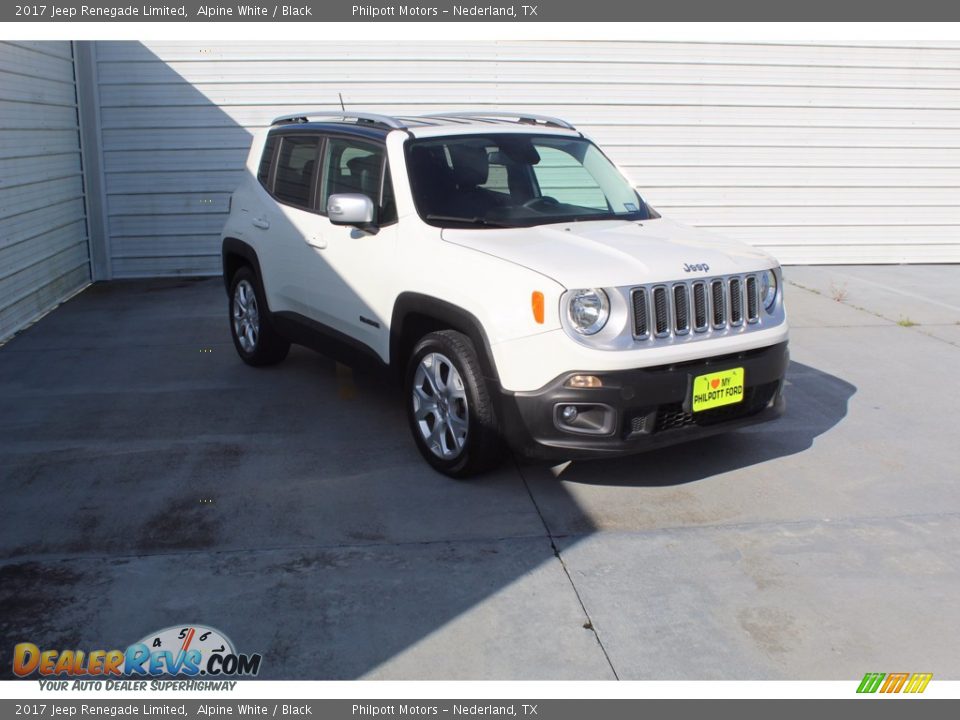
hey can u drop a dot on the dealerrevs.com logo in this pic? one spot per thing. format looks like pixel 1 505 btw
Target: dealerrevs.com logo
pixel 184 650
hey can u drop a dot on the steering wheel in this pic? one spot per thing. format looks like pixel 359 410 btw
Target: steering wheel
pixel 545 200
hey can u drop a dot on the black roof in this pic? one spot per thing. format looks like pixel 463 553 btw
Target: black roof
pixel 370 131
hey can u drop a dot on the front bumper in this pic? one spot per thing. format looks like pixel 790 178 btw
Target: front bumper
pixel 644 408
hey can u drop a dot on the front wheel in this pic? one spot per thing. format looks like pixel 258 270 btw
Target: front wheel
pixel 449 406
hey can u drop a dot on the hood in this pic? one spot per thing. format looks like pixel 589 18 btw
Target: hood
pixel 614 253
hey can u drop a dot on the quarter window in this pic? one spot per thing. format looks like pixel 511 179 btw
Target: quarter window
pixel 266 160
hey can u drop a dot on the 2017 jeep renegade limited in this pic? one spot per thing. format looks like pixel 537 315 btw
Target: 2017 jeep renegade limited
pixel 513 278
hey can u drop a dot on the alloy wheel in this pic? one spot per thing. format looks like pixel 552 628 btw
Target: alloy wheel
pixel 440 405
pixel 246 316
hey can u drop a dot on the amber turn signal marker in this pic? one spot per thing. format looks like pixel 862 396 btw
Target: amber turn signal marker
pixel 536 301
pixel 584 381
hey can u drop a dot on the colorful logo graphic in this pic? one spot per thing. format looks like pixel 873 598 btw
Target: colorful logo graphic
pixel 894 682
pixel 190 650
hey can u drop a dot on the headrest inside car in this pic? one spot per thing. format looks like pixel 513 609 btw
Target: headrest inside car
pixel 471 166
pixel 520 150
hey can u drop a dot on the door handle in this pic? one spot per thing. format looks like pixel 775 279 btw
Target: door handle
pixel 260 222
pixel 317 242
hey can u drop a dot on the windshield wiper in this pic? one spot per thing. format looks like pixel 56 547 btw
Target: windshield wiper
pixel 629 217
pixel 466 221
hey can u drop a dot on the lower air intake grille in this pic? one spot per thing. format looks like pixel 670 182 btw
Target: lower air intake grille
pixel 755 399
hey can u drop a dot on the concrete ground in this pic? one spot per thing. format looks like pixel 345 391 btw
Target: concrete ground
pixel 151 479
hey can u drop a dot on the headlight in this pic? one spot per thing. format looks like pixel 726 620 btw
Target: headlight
pixel 768 289
pixel 588 310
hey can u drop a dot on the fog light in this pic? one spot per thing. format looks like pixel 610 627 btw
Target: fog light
pixel 569 413
pixel 584 381
pixel 588 418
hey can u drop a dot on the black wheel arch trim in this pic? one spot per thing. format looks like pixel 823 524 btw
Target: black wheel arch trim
pixel 233 246
pixel 409 304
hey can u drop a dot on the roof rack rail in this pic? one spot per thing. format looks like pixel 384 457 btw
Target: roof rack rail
pixel 520 117
pixel 309 115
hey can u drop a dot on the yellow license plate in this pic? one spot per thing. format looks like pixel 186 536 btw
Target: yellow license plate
pixel 717 389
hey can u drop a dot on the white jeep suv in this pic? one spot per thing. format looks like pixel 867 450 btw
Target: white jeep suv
pixel 513 278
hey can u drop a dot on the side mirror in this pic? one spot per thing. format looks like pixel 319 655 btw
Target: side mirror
pixel 350 209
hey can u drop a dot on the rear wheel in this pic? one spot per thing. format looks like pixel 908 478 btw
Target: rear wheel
pixel 449 407
pixel 256 341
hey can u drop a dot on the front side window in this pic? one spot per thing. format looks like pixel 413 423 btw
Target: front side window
pixel 354 166
pixel 296 162
pixel 514 180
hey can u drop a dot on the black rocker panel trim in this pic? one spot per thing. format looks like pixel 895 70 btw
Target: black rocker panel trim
pixel 326 340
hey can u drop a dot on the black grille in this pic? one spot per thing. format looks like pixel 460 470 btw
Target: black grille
pixel 671 417
pixel 736 301
pixel 699 307
pixel 660 310
pixel 755 399
pixel 640 326
pixel 753 304
pixel 716 291
pixel 681 309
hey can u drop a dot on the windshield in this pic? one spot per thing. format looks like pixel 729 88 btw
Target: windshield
pixel 514 180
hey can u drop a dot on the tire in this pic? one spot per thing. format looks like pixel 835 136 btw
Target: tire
pixel 451 418
pixel 256 341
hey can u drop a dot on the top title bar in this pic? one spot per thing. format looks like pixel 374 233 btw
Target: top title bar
pixel 445 11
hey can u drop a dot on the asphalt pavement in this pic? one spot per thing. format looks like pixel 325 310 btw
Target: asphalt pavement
pixel 149 479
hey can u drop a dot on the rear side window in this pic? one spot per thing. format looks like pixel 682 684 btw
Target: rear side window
pixel 296 162
pixel 266 161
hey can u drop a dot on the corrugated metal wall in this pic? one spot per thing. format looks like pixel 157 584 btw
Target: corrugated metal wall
pixel 43 236
pixel 818 153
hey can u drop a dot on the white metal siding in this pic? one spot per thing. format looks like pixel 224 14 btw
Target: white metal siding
pixel 817 153
pixel 43 239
